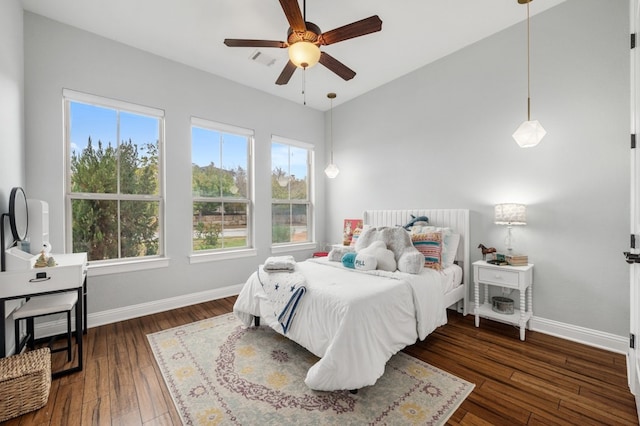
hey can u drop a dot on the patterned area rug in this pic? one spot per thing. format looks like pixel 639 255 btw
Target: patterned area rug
pixel 219 372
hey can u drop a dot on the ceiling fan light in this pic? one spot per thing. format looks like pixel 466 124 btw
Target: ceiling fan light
pixel 331 171
pixel 529 134
pixel 304 54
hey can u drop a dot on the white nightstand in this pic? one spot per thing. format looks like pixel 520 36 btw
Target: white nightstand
pixel 516 277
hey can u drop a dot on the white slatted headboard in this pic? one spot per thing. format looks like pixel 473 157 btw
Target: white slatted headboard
pixel 457 219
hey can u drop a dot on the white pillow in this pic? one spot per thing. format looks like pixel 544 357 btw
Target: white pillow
pixel 451 243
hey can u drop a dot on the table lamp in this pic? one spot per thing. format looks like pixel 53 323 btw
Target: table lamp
pixel 510 214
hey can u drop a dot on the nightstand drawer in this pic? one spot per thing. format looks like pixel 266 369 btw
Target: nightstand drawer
pixel 499 277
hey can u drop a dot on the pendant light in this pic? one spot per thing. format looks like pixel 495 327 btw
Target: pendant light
pixel 530 132
pixel 331 170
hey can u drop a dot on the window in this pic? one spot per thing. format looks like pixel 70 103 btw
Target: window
pixel 114 181
pixel 220 181
pixel 291 205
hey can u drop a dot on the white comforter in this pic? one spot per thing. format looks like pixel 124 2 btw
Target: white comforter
pixel 353 320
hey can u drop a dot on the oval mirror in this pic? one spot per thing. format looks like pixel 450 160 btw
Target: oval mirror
pixel 18 215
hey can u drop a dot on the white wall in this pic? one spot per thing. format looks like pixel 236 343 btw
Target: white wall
pixel 441 137
pixel 58 56
pixel 438 137
pixel 11 100
pixel 12 165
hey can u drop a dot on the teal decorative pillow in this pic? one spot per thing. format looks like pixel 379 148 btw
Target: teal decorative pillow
pixel 349 260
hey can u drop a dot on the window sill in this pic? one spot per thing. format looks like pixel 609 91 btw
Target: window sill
pixel 286 248
pixel 96 269
pixel 223 255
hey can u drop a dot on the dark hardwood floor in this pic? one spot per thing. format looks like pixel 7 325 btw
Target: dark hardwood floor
pixel 542 381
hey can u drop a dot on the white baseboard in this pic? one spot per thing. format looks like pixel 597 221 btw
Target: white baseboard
pixel 574 333
pixel 586 336
pixel 95 319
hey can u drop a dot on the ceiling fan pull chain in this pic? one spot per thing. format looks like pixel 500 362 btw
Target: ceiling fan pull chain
pixel 304 84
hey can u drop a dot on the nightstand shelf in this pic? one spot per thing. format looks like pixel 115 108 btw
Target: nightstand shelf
pixel 514 277
pixel 486 311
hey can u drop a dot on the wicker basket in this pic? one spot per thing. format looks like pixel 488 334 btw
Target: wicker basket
pixel 25 381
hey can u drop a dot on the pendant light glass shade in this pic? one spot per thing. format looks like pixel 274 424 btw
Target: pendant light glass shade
pixel 331 170
pixel 530 132
pixel 304 54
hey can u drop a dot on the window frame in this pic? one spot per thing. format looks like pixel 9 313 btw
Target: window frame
pixel 310 201
pixel 120 264
pixel 206 255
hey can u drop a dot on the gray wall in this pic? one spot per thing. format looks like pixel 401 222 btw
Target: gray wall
pixel 12 167
pixel 441 137
pixel 58 56
pixel 438 137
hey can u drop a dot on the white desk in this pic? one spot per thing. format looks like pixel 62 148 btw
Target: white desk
pixel 70 274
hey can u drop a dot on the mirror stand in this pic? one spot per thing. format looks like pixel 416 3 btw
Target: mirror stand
pixel 2 247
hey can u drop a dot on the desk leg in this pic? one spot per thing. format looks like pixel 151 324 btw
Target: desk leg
pixel 84 290
pixel 3 343
pixel 79 324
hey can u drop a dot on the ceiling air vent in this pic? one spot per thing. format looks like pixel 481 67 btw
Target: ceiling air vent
pixel 262 58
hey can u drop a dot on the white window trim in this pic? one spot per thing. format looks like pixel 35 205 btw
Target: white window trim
pixel 214 256
pixel 114 266
pixel 203 256
pixel 306 245
pixel 292 247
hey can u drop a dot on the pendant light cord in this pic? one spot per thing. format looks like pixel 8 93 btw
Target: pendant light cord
pixel 528 67
pixel 331 129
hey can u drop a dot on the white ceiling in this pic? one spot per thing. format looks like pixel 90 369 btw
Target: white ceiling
pixel 414 33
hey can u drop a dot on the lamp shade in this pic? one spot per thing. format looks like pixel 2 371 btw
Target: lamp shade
pixel 529 134
pixel 331 171
pixel 511 214
pixel 304 54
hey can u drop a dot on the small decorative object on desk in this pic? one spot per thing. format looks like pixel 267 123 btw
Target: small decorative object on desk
pixel 486 251
pixel 46 247
pixel 43 261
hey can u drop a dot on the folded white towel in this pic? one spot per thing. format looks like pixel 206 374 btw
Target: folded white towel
pixel 279 263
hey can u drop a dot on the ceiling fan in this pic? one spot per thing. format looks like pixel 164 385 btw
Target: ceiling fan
pixel 305 38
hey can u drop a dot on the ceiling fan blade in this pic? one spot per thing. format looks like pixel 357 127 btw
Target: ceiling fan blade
pixel 365 26
pixel 239 42
pixel 294 16
pixel 286 73
pixel 336 66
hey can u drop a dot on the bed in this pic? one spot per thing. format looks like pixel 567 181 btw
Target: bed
pixel 354 321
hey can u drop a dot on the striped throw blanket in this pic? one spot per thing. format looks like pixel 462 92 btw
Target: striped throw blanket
pixel 284 290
